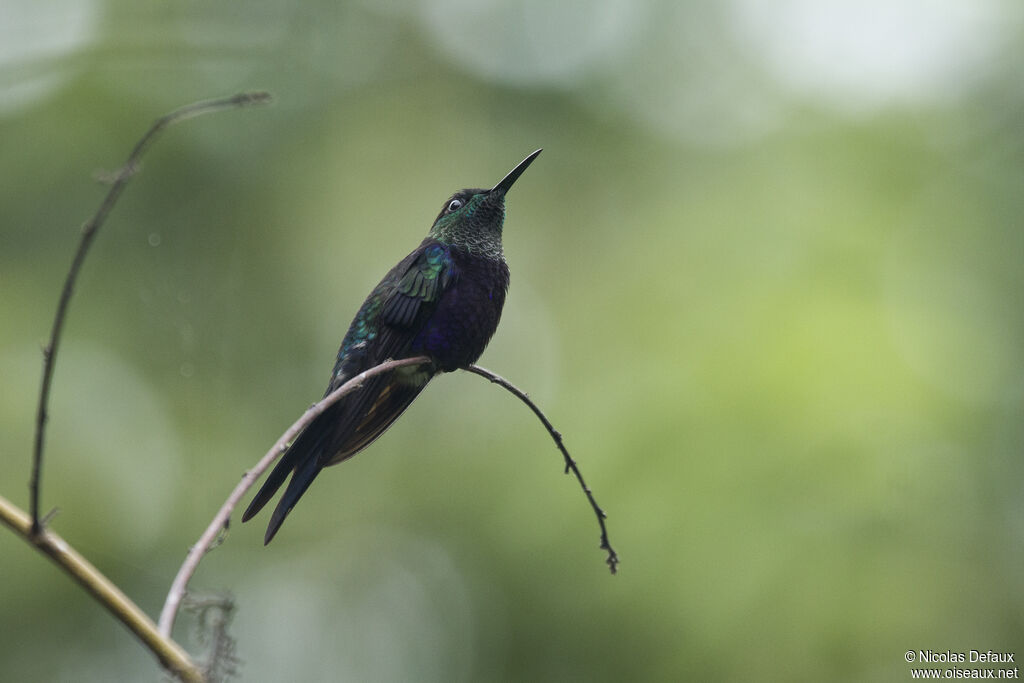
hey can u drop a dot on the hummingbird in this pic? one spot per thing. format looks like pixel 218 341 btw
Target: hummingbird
pixel 442 301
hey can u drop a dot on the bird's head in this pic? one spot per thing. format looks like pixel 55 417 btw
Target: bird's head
pixel 472 218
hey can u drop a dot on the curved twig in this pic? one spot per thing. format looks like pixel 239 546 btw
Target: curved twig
pixel 89 230
pixel 223 516
pixel 570 464
pixel 168 652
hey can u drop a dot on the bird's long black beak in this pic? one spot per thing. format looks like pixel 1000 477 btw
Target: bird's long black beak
pixel 514 174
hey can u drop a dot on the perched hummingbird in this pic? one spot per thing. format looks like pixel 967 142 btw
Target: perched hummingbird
pixel 442 301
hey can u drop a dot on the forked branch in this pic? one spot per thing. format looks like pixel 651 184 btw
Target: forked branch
pixel 222 519
pixel 30 526
pixel 168 652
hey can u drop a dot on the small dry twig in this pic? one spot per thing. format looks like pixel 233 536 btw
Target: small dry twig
pixel 570 464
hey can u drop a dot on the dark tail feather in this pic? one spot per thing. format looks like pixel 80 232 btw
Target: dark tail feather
pixel 305 448
pixel 304 475
pixel 337 434
pixel 277 476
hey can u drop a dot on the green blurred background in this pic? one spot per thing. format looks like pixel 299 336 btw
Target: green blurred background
pixel 766 279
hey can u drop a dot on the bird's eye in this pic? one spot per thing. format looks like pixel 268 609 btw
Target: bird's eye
pixel 454 205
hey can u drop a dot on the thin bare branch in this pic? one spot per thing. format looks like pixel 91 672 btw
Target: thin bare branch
pixel 223 516
pixel 168 652
pixel 570 464
pixel 89 230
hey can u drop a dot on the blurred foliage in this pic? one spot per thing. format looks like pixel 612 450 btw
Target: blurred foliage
pixel 766 279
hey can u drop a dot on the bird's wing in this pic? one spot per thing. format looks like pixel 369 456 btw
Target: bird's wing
pixel 378 404
pixel 420 286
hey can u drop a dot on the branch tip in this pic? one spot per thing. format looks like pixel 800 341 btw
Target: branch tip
pixel 246 99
